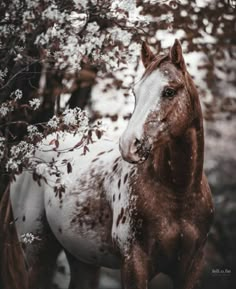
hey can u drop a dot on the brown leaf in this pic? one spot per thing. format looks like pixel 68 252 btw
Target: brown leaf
pixel 98 133
pixel 86 149
pixel 69 168
pixel 78 144
pixel 56 143
pixel 52 141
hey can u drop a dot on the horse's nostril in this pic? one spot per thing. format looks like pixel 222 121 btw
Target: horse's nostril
pixel 142 148
pixel 137 142
pixel 135 146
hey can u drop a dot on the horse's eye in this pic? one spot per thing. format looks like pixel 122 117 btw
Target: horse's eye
pixel 168 92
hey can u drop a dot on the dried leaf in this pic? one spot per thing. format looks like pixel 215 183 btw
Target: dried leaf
pixel 78 144
pixel 69 168
pixel 52 142
pixel 57 143
pixel 86 149
pixel 98 133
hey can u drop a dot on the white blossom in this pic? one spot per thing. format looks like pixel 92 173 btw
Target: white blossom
pixel 69 117
pixel 13 165
pixel 75 117
pixel 32 129
pixel 41 169
pixel 121 35
pixel 53 122
pixel 35 103
pixel 18 94
pixel 82 3
pixel 33 132
pixel 92 27
pixel 22 148
pixel 78 20
pixel 3 74
pixel 2 140
pixel 29 238
pixel 5 108
pixel 84 122
pixel 20 153
pixel 52 13
pixel 2 147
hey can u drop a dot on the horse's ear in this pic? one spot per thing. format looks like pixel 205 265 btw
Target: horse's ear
pixel 146 55
pixel 176 55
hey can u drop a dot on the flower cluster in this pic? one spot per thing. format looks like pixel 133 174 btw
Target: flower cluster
pixel 18 94
pixel 75 117
pixel 29 238
pixel 13 103
pixel 34 103
pixel 10 105
pixel 5 108
pixel 34 135
pixel 122 19
pixel 20 155
pixel 23 156
pixel 70 120
pixel 3 74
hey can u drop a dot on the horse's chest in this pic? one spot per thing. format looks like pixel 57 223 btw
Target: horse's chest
pixel 176 241
pixel 170 235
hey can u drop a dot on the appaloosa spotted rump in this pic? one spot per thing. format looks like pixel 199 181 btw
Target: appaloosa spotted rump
pixel 143 206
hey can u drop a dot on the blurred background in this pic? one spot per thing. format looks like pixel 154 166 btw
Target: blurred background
pixel 86 54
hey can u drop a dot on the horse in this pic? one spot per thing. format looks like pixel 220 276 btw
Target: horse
pixel 142 205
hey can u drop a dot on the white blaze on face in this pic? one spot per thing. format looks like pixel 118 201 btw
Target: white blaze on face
pixel 148 96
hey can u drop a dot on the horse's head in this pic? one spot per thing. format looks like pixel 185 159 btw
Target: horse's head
pixel 163 104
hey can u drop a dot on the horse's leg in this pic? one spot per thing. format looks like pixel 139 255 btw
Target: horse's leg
pixel 83 276
pixel 188 278
pixel 135 269
pixel 42 256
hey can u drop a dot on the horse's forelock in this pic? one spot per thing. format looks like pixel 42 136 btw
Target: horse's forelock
pixel 155 64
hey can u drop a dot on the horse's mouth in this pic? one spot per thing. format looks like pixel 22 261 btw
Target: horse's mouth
pixel 145 147
pixel 143 151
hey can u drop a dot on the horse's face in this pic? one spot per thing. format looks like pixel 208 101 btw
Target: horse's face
pixel 163 108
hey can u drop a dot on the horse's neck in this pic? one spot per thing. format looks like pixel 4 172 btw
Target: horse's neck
pixel 179 165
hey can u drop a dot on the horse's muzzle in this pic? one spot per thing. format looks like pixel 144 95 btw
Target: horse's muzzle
pixel 136 151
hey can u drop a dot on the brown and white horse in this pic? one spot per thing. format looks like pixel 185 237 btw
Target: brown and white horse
pixel 143 206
